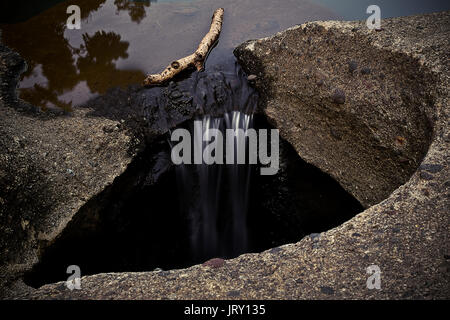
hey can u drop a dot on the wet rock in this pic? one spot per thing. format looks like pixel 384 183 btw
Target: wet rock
pixel 175 94
pixel 233 293
pixel 314 236
pixel 109 128
pixel 366 70
pixel 432 168
pixel 352 66
pixel 214 263
pixel 335 133
pixel 276 250
pixel 327 290
pixel 426 176
pixel 338 96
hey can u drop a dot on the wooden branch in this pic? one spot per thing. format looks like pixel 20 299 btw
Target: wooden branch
pixel 197 59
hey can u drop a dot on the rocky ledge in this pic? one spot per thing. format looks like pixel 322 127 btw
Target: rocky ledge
pixel 369 107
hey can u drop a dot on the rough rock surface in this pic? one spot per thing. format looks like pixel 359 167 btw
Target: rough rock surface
pixel 349 104
pixel 60 167
pixel 393 94
pixel 43 179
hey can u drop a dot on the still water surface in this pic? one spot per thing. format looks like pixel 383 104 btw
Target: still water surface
pixel 120 40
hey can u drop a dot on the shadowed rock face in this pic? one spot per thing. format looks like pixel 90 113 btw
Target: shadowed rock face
pixel 349 106
pixel 43 180
pixel 55 164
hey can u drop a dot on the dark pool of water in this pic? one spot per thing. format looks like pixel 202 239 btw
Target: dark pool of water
pixel 356 9
pixel 120 41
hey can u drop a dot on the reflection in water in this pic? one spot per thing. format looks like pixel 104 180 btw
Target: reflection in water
pixel 97 62
pixel 135 9
pixel 92 62
pixel 121 40
pixel 59 74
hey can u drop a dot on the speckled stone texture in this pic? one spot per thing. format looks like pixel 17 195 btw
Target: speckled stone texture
pixel 51 166
pixel 371 109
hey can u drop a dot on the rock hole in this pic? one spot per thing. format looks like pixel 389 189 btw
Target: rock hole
pixel 137 225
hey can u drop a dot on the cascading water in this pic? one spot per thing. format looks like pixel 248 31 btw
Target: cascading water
pixel 239 175
pixel 215 197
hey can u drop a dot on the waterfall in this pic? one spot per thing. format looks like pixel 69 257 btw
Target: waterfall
pixel 239 178
pixel 215 197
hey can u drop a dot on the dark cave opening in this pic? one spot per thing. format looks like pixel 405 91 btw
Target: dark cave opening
pixel 138 223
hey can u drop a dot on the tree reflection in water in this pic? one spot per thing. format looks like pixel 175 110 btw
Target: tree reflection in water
pixel 136 9
pixel 123 39
pixel 55 68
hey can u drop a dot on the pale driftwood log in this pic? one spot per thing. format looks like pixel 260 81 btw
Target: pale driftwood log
pixel 196 59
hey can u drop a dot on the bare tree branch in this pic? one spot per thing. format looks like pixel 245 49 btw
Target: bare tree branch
pixel 197 59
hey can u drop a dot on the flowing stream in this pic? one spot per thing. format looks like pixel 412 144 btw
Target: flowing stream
pixel 215 197
pixel 205 196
